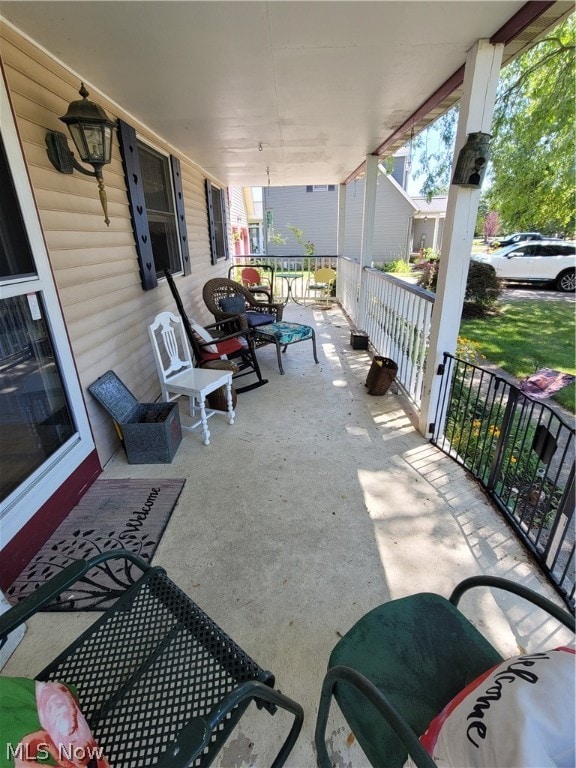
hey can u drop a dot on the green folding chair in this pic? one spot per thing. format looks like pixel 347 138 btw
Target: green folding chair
pixel 402 663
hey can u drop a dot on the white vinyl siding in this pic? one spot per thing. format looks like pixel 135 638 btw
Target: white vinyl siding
pixel 95 267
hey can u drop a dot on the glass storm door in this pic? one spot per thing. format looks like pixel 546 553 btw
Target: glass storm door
pixel 45 433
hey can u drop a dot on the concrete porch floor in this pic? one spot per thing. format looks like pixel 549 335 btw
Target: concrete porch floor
pixel 318 504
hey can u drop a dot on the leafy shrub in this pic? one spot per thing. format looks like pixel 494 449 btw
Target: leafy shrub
pixel 428 275
pixel 482 286
pixel 398 266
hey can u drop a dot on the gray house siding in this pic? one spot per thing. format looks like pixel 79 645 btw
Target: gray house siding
pixel 399 171
pixel 314 212
pixel 391 224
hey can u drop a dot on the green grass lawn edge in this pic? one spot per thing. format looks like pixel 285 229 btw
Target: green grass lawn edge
pixel 525 336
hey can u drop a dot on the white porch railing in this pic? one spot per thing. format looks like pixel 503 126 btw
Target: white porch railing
pixel 287 263
pixel 290 272
pixel 396 317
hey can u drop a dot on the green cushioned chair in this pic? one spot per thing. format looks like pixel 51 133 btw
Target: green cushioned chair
pixel 401 664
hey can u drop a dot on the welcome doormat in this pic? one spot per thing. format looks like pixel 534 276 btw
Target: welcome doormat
pixel 112 514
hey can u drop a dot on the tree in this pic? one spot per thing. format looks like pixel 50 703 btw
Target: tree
pixel 434 148
pixel 531 176
pixel 491 224
pixel 533 145
pixel 309 248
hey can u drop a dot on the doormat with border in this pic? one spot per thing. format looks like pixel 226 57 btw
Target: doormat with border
pixel 112 514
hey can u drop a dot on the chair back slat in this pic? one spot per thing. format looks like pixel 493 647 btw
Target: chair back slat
pixel 174 356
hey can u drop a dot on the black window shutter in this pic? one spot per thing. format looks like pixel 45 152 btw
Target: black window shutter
pixel 310 189
pixel 179 197
pixel 211 201
pixel 224 198
pixel 131 163
pixel 331 187
pixel 211 225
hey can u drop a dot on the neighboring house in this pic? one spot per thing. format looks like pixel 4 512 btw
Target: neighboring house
pixel 238 221
pixel 401 224
pixel 77 295
pixel 429 223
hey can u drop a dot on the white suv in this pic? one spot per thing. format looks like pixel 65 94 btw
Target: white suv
pixel 541 261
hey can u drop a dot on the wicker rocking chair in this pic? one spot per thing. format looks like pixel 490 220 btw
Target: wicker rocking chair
pixel 232 302
pixel 236 345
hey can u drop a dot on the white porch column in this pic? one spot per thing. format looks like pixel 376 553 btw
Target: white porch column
pixel 368 214
pixel 435 234
pixel 479 92
pixel 341 226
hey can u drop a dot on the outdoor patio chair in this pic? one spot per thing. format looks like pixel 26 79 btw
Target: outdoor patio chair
pixel 178 376
pixel 321 282
pixel 232 302
pixel 159 683
pixel 259 279
pixel 402 663
pixel 211 344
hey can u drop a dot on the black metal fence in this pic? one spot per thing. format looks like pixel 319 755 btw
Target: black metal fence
pixel 523 454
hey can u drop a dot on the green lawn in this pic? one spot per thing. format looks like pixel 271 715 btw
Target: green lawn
pixel 526 336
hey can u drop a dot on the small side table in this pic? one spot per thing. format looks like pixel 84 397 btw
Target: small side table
pixel 290 278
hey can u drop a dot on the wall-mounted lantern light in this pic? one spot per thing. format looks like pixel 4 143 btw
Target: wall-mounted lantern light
pixel 472 161
pixel 91 131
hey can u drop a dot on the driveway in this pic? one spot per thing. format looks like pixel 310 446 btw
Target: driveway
pixel 530 291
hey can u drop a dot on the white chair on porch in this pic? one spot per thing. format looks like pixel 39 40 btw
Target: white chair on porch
pixel 178 375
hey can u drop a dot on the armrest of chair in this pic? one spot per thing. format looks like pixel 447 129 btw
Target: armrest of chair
pixel 196 734
pixel 228 318
pixel 401 728
pixel 223 335
pixel 45 594
pixel 190 742
pixel 563 616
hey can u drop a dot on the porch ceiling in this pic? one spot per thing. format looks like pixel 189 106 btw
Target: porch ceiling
pixel 319 85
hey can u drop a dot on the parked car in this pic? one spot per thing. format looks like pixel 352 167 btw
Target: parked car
pixel 544 261
pixel 517 237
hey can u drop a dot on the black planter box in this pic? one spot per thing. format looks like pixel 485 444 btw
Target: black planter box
pixel 359 340
pixel 151 431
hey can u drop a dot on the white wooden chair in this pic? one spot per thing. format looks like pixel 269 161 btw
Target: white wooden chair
pixel 179 377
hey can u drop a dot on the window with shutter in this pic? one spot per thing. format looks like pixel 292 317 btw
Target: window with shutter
pixel 216 202
pixel 156 206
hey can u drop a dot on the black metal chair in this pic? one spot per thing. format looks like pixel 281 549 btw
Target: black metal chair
pixel 159 683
